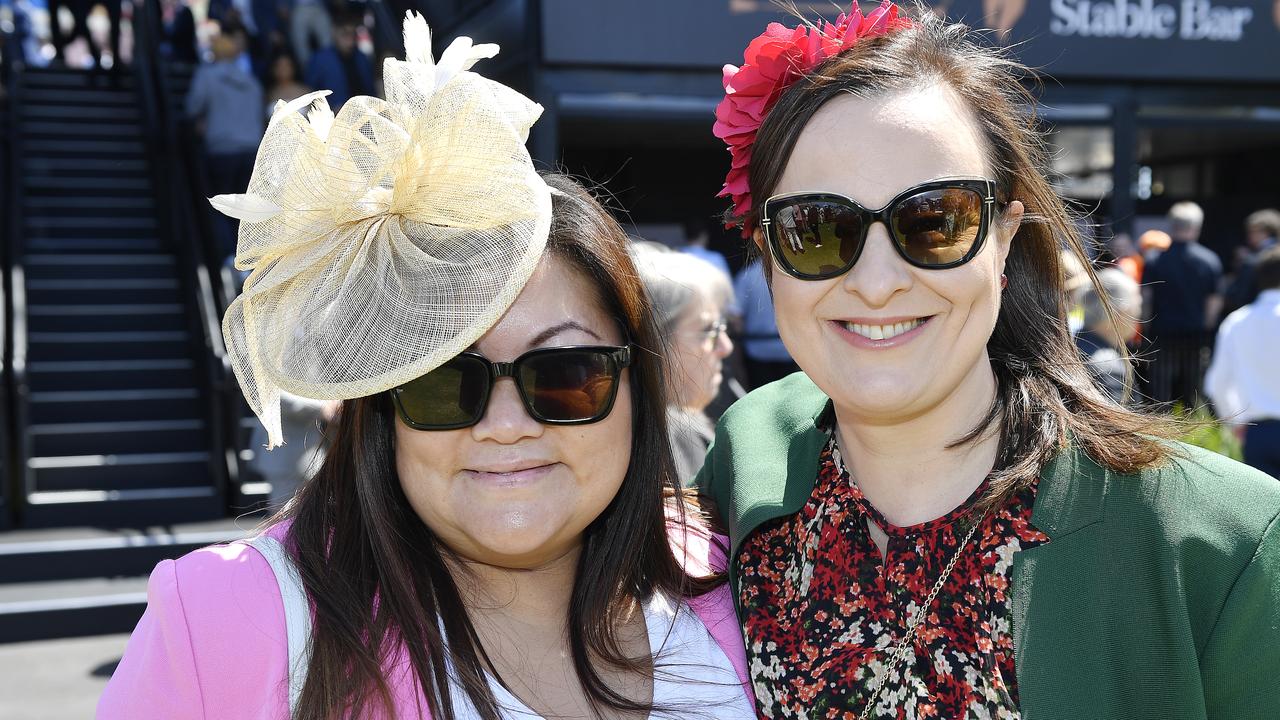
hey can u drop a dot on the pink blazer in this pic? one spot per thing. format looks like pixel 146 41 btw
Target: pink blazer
pixel 212 641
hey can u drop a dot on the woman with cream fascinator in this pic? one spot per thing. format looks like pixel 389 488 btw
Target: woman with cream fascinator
pixel 466 550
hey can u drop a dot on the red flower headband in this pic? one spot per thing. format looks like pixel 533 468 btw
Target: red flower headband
pixel 771 63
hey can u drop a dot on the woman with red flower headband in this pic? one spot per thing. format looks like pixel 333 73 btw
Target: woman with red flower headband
pixel 943 516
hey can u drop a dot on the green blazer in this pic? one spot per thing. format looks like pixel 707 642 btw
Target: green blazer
pixel 1157 596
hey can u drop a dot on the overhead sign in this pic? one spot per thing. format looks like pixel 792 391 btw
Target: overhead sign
pixel 1210 40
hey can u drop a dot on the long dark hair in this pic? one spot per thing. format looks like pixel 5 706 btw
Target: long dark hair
pixel 1045 394
pixel 380 580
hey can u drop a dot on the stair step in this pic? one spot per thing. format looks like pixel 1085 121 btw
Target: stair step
pixel 46 164
pixel 63 78
pixel 87 115
pixel 40 266
pixel 105 244
pixel 70 130
pixel 80 98
pixel 91 318
pixel 87 201
pixel 149 471
pixel 124 508
pixel 79 147
pixel 73 552
pixel 71 608
pixel 136 436
pixel 157 290
pixel 115 184
pixel 108 374
pixel 108 345
pixel 59 406
pixel 140 224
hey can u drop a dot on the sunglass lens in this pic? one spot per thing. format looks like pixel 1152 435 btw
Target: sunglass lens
pixel 818 238
pixel 452 394
pixel 569 385
pixel 938 227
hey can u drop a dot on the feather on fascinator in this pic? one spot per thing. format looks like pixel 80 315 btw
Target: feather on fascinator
pixel 385 239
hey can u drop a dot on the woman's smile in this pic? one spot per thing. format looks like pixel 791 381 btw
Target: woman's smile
pixel 880 334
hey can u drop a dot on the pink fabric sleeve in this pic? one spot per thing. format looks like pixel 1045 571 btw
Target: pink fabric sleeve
pixel 210 645
pixel 702 553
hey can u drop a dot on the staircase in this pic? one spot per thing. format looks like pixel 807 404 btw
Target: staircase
pixel 115 414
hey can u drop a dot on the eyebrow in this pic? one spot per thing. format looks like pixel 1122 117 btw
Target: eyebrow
pixel 554 330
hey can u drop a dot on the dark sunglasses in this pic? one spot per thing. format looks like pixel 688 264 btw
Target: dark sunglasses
pixel 571 385
pixel 936 225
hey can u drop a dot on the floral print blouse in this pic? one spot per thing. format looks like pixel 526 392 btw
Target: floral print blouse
pixel 822 610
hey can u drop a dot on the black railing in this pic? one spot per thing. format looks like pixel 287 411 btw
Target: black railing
pixel 10 53
pixel 181 231
pixel 16 402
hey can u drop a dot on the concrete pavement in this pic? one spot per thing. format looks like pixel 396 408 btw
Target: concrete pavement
pixel 56 679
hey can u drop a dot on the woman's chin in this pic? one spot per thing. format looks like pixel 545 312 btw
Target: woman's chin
pixel 518 540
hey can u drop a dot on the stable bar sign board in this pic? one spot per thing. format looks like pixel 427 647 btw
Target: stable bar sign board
pixel 1215 40
pixel 1210 40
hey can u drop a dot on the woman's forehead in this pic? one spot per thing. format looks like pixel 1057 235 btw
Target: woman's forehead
pixel 870 149
pixel 559 305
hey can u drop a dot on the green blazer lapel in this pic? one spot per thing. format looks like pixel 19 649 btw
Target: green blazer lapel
pixel 1070 497
pixel 768 443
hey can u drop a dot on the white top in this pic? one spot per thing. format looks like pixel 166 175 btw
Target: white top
pixel 1242 380
pixel 693 678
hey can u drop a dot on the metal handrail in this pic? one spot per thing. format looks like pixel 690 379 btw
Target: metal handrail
pixel 19 443
pixel 9 471
pixel 169 173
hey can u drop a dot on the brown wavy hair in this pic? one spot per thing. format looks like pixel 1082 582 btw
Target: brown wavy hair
pixel 1046 395
pixel 380 580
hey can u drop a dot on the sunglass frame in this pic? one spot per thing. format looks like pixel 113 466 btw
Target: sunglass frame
pixel 620 358
pixel 984 187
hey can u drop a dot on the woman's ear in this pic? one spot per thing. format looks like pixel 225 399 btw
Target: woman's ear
pixel 757 237
pixel 1007 225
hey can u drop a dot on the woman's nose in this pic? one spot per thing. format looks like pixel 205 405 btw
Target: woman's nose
pixel 506 420
pixel 880 273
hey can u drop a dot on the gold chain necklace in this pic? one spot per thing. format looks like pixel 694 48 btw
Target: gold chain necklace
pixel 900 650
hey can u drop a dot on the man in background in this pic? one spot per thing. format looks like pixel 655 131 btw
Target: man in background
pixel 1261 231
pixel 226 101
pixel 341 68
pixel 1242 381
pixel 1184 301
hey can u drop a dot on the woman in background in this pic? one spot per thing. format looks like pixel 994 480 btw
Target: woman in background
pixel 689 297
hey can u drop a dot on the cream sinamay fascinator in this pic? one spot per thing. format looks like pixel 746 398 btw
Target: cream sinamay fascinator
pixel 387 239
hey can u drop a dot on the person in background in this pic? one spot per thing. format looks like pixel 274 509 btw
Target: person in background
pixel 766 357
pixel 285 84
pixel 289 465
pixel 237 17
pixel 1182 296
pixel 221 93
pixel 178 32
pixel 1125 256
pixel 1242 380
pixel 80 10
pixel 696 239
pixel 1261 230
pixel 1074 278
pixel 309 26
pixel 341 68
pixel 1102 341
pixel 689 299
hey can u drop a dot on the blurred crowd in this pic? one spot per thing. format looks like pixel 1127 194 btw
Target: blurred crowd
pixel 1203 331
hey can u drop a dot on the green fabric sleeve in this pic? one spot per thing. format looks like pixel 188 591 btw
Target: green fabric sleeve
pixel 1240 664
